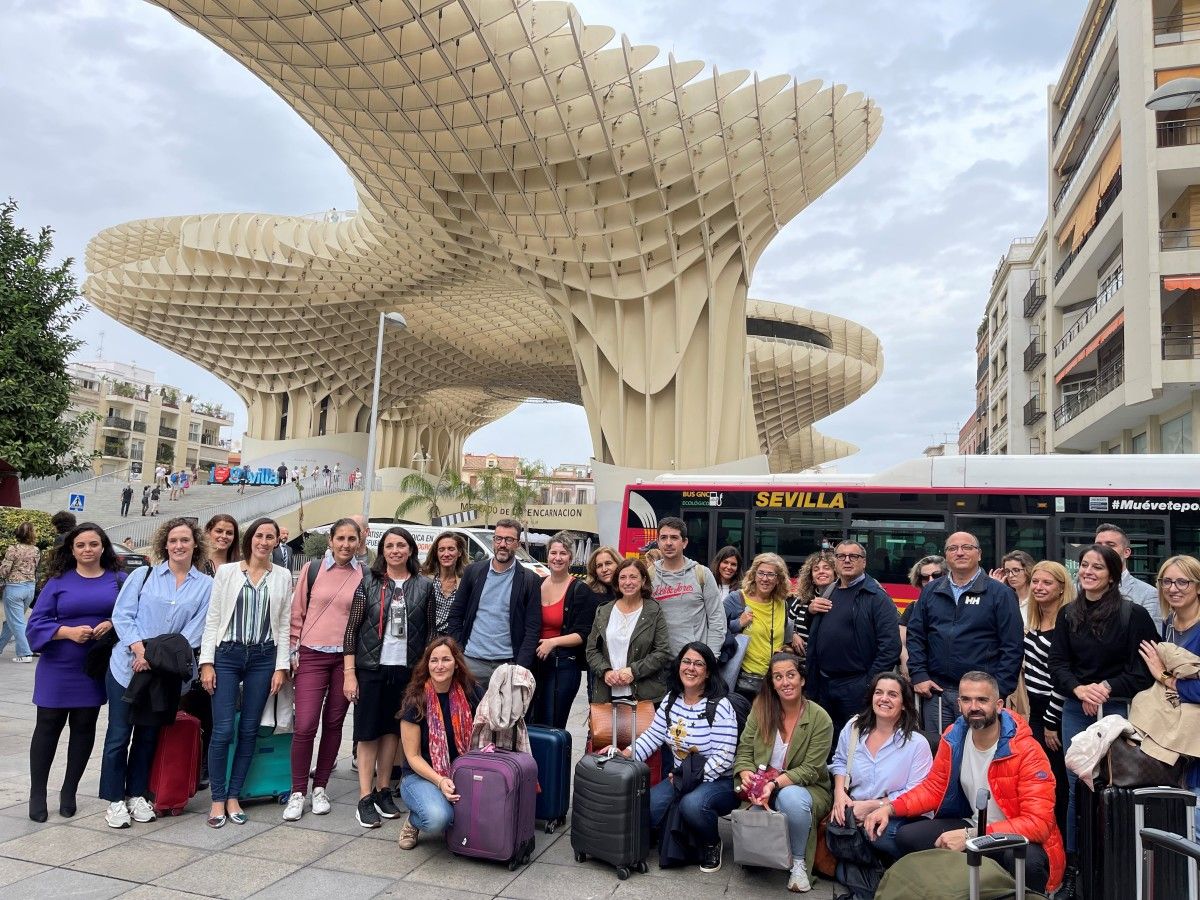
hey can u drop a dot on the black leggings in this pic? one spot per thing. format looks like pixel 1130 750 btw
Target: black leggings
pixel 42 747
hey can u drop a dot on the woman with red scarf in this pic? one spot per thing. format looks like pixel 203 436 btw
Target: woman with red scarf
pixel 435 728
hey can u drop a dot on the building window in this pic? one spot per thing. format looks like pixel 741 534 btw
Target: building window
pixel 194 432
pixel 284 405
pixel 1177 435
pixel 323 418
pixel 137 450
pixel 1140 444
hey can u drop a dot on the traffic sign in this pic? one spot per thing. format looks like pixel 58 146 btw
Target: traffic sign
pixel 76 503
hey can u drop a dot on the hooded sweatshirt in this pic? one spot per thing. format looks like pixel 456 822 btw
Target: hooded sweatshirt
pixel 691 604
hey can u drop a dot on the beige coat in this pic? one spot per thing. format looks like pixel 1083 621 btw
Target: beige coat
pixel 1170 728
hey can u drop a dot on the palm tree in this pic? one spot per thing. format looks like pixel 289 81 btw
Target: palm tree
pixel 488 494
pixel 427 492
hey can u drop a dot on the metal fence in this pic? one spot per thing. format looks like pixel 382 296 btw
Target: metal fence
pixel 75 483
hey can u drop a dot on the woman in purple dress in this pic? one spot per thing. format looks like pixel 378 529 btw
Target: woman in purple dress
pixel 72 611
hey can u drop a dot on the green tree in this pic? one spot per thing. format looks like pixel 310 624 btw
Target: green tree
pixel 428 492
pixel 38 435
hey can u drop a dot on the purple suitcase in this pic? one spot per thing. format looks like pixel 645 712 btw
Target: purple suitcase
pixel 494 817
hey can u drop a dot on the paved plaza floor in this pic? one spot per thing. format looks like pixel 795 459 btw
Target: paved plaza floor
pixel 328 857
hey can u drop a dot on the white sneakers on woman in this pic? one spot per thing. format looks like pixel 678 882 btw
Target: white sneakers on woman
pixel 295 807
pixel 320 802
pixel 121 812
pixel 117 815
pixel 798 882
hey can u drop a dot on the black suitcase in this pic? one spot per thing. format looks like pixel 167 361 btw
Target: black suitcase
pixel 1154 842
pixel 610 812
pixel 1109 821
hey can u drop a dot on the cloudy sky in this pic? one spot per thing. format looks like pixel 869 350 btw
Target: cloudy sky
pixel 114 111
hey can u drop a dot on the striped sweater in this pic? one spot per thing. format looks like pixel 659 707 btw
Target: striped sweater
pixel 684 729
pixel 1037 673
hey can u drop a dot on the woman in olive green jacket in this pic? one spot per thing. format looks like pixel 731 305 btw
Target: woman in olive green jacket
pixel 792 736
pixel 627 649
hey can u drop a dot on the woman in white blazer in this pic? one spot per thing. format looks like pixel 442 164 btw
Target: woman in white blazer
pixel 245 643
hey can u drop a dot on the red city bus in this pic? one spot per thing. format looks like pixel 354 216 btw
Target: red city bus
pixel 1048 506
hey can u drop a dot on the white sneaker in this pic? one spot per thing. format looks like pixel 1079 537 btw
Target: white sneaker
pixel 295 807
pixel 320 802
pixel 798 883
pixel 117 815
pixel 23 659
pixel 141 810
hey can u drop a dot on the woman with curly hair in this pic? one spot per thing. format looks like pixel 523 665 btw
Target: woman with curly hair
pixel 815 581
pixel 170 597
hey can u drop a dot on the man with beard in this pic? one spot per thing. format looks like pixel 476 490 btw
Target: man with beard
pixel 986 747
pixel 496 616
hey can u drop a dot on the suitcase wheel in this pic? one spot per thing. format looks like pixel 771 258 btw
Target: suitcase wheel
pixel 282 798
pixel 176 812
pixel 513 863
pixel 643 868
pixel 580 857
pixel 551 824
pixel 623 873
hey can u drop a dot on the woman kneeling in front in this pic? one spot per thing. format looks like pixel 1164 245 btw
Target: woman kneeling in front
pixel 791 736
pixel 694 720
pixel 435 729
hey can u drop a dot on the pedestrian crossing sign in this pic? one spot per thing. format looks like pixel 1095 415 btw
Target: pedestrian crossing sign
pixel 76 503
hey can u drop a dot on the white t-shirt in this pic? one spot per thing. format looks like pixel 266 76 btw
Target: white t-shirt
pixel 395 649
pixel 617 636
pixel 973 776
pixel 778 753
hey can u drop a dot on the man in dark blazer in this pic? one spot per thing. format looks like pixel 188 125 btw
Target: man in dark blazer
pixel 496 616
pixel 282 554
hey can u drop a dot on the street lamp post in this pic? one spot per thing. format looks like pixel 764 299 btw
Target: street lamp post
pixel 393 318
pixel 421 460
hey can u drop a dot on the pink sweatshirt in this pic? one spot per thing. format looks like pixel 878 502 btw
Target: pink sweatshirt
pixel 320 622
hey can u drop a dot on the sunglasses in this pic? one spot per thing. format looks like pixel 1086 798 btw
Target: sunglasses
pixel 931 576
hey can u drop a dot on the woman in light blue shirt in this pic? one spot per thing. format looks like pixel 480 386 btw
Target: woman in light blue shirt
pixel 880 754
pixel 168 598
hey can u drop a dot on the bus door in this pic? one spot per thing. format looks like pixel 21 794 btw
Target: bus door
pixel 998 535
pixel 711 529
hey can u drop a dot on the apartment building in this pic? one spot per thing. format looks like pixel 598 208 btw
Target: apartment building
pixel 1104 342
pixel 142 423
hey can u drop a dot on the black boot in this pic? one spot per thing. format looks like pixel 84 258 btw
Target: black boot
pixel 1068 888
pixel 37 807
pixel 66 803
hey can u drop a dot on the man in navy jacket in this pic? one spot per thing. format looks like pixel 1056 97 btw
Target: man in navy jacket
pixel 963 621
pixel 496 616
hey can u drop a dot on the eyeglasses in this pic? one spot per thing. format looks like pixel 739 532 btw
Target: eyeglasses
pixel 954 548
pixel 769 576
pixel 692 664
pixel 843 557
pixel 1014 571
pixel 931 576
pixel 498 539
pixel 1175 584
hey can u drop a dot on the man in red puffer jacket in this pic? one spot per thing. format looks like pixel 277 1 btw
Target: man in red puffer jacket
pixel 986 747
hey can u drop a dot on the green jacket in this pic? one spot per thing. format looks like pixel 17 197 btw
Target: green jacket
pixel 804 763
pixel 649 654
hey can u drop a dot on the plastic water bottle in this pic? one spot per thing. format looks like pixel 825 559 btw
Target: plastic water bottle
pixel 757 781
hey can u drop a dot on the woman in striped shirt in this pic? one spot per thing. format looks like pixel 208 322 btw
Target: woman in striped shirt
pixel 694 718
pixel 245 644
pixel 1050 589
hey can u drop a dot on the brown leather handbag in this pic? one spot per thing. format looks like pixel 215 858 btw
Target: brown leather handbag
pixel 630 722
pixel 1127 765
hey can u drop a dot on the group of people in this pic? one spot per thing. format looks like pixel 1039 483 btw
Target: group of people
pixel 801 697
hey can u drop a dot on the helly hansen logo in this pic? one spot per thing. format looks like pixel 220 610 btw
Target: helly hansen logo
pixel 971 600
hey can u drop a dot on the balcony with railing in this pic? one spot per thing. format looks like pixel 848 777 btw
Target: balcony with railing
pixel 1034 410
pixel 1108 380
pixel 117 449
pixel 1179 133
pixel 981 411
pixel 117 422
pixel 1035 352
pixel 1179 239
pixel 981 369
pixel 1034 297
pixel 1109 288
pixel 139 425
pixel 165 431
pixel 1177 28
pixel 1085 74
pixel 1085 155
pixel 1181 341
pixel 1107 199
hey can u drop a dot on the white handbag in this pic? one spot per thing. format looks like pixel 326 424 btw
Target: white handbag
pixel 279 715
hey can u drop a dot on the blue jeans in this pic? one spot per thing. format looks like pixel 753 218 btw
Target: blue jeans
pixel 948 699
pixel 17 597
pixel 1075 721
pixel 700 807
pixel 128 749
pixel 557 684
pixel 251 666
pixel 428 808
pixel 795 802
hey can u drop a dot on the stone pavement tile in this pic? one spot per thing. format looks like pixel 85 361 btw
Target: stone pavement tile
pixel 66 883
pixel 11 794
pixel 91 816
pixel 542 881
pixel 15 869
pixel 461 874
pixel 324 883
pixel 139 859
pixel 296 845
pixel 154 892
pixel 59 845
pixel 340 820
pixel 15 827
pixel 226 875
pixel 345 789
pixel 191 831
pixel 410 891
pixel 766 883
pixel 381 859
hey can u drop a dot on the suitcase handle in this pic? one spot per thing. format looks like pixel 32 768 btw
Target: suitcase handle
pixel 986 845
pixel 1144 795
pixel 632 704
pixel 1153 840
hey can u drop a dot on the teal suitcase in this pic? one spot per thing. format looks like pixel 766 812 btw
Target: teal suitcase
pixel 270 775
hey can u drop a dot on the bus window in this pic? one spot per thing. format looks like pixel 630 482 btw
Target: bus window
pixel 794 535
pixel 696 521
pixel 894 545
pixel 1147 538
pixel 1025 534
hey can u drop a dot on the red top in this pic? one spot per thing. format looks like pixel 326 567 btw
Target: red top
pixel 552 618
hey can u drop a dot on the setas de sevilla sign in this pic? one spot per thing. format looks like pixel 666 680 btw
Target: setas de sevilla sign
pixel 242 475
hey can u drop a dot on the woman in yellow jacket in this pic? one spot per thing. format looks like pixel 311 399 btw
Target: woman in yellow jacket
pixel 789 736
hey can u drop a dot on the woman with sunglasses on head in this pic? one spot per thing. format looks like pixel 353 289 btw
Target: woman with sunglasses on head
pixel 759 611
pixel 813 584
pixel 73 611
pixel 694 720
pixel 1179 600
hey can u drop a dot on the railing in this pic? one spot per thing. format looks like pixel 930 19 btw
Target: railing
pixel 32 486
pixel 139 425
pixel 1179 133
pixel 1181 341
pixel 1179 239
pixel 1106 112
pixel 1034 353
pixel 1112 377
pixel 1108 289
pixel 1034 410
pixel 982 447
pixel 119 451
pixel 1107 199
pixel 164 431
pixel 1168 27
pixel 981 369
pixel 981 411
pixel 117 422
pixel 1085 74
pixel 1035 297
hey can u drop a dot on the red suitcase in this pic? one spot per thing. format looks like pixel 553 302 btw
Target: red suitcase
pixel 175 772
